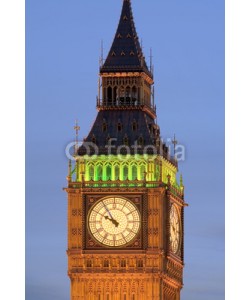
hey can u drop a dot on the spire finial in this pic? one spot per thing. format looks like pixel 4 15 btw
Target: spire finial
pixel 76 128
pixel 174 142
pixel 101 57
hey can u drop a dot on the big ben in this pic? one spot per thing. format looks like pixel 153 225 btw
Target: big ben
pixel 125 202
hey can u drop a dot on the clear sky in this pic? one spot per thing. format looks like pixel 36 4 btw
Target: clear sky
pixel 62 50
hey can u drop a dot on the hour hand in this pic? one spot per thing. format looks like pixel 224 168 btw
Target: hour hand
pixel 113 221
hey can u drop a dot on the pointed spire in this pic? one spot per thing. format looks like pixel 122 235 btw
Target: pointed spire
pixel 126 53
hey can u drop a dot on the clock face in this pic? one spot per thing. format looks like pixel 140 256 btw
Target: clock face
pixel 114 221
pixel 174 229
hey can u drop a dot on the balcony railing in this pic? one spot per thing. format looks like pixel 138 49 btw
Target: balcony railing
pixel 116 184
pixel 131 103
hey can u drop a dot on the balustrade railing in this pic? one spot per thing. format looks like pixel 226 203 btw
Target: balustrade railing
pixel 116 184
pixel 124 103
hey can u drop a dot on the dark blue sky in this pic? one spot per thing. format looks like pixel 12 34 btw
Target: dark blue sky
pixel 62 51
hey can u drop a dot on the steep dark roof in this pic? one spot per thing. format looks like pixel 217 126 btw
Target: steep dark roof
pixel 126 119
pixel 145 129
pixel 126 53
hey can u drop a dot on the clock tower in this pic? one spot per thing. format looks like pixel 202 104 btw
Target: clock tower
pixel 125 203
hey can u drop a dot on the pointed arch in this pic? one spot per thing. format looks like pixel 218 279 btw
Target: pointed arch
pixel 99 172
pixel 134 172
pixel 117 172
pixel 134 94
pixel 134 125
pixel 125 172
pixel 108 172
pixel 91 172
pixel 142 172
pixel 110 94
pixel 115 94
pixel 128 95
pixel 122 95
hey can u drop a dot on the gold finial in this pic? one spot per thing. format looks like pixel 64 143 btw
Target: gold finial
pixel 76 128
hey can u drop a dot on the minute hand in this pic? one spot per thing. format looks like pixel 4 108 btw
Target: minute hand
pixel 108 211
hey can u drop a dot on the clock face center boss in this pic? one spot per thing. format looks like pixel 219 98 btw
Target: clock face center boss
pixel 114 221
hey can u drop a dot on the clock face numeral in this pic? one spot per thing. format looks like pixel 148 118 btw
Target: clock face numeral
pixel 114 221
pixel 175 230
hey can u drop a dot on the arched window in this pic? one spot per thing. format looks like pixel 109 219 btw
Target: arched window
pixel 89 263
pixel 119 126
pixel 140 263
pixel 109 94
pixel 115 94
pixel 134 96
pixel 99 173
pixel 134 125
pixel 123 263
pixel 106 263
pixel 125 140
pixel 93 139
pixel 108 172
pixel 128 95
pixel 104 126
pixel 91 172
pixel 122 95
pixel 157 172
pixel 134 173
pixel 139 97
pixel 125 173
pixel 142 172
pixel 117 172
pixel 140 141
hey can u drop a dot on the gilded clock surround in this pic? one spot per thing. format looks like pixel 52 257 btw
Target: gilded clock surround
pixel 150 264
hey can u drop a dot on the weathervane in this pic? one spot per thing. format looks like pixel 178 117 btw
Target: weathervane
pixel 76 128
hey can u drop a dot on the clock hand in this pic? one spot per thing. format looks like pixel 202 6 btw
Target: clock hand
pixel 112 220
pixel 107 210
